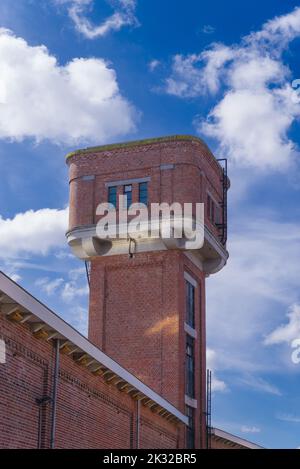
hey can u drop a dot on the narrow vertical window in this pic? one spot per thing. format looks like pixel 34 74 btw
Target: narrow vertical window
pixel 112 195
pixel 190 303
pixel 128 193
pixel 143 193
pixel 190 429
pixel 190 367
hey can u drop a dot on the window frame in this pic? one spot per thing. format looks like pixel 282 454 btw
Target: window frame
pixel 128 201
pixel 190 303
pixel 143 184
pixel 110 197
pixel 190 366
pixel 190 428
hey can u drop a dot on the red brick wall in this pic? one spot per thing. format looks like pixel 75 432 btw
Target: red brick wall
pixel 137 306
pixel 195 172
pixel 134 317
pixel 90 413
pixel 137 314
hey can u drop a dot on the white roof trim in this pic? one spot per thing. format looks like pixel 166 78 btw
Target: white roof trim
pixel 38 309
pixel 235 439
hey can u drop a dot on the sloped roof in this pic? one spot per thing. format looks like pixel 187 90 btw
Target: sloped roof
pixel 20 306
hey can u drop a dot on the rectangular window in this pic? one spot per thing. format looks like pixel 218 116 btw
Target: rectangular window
pixel 190 303
pixel 210 209
pixel 143 192
pixel 190 429
pixel 190 367
pixel 112 195
pixel 128 193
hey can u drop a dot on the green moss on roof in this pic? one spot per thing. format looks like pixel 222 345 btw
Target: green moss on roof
pixel 134 143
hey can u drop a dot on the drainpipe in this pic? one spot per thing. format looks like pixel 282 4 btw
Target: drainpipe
pixel 54 394
pixel 138 404
pixel 41 402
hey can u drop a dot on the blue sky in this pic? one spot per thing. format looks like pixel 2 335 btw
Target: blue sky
pixel 82 72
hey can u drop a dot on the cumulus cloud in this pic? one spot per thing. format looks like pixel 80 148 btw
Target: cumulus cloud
pixel 33 232
pixel 197 74
pixel 254 114
pixel 286 332
pixel 124 15
pixel 41 99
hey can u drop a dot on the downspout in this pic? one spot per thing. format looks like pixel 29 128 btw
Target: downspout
pixel 54 394
pixel 41 402
pixel 138 409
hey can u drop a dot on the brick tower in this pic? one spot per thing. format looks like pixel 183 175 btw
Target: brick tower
pixel 147 297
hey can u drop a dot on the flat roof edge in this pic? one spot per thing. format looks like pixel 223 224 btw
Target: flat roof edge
pixel 136 143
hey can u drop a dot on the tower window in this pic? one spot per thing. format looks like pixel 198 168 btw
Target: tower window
pixel 143 192
pixel 190 303
pixel 190 367
pixel 210 209
pixel 128 193
pixel 190 429
pixel 112 195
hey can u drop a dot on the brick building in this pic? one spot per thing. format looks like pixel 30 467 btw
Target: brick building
pixel 147 297
pixel 58 390
pixel 138 381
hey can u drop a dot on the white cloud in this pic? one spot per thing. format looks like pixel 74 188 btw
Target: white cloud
pixel 49 286
pixel 77 285
pixel 40 99
pixel 253 429
pixel 286 332
pixel 154 64
pixel 216 383
pixel 254 283
pixel 208 29
pixel 33 232
pixel 124 15
pixel 259 384
pixel 71 291
pixel 190 79
pixel 252 118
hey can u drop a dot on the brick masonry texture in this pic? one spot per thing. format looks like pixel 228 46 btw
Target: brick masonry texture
pixel 137 305
pixel 90 413
pixel 195 173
